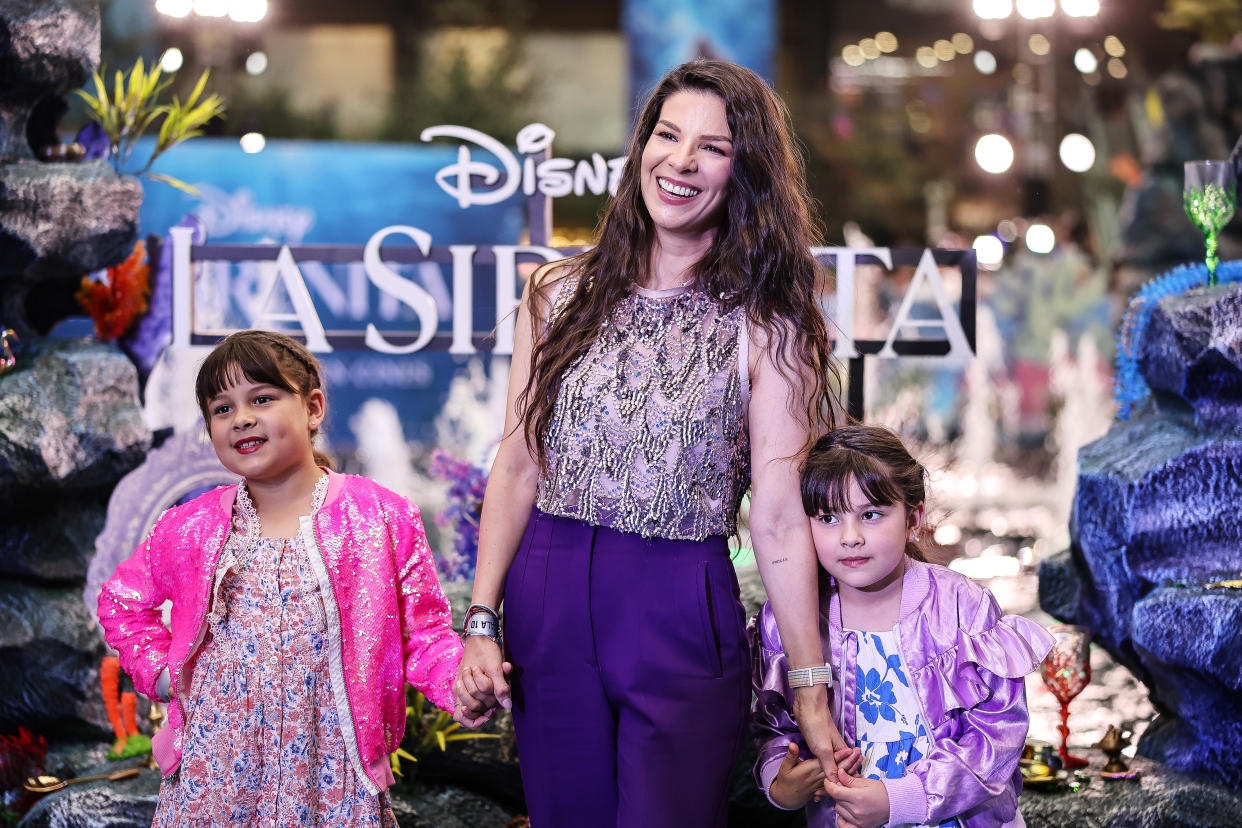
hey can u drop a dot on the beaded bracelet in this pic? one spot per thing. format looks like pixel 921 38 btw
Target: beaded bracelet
pixel 810 676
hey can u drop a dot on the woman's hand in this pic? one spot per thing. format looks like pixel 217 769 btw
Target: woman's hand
pixel 821 735
pixel 481 684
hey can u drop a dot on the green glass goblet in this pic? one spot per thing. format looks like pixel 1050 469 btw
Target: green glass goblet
pixel 1210 199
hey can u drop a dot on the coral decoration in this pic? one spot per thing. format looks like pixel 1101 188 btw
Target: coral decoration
pixel 109 685
pixel 121 708
pixel 21 756
pixel 114 304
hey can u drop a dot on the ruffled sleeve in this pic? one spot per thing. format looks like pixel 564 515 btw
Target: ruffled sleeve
pixel 979 680
pixel 772 722
pixel 1010 648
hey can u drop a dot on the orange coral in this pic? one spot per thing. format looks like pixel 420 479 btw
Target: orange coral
pixel 116 303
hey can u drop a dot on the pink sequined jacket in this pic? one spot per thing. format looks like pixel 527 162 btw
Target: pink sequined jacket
pixel 388 620
pixel 966 663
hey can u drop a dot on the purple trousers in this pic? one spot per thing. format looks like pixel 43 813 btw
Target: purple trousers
pixel 631 676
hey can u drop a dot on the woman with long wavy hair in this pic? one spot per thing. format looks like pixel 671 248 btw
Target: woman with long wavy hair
pixel 655 378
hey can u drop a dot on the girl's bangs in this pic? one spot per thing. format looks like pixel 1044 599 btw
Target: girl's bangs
pixel 829 489
pixel 236 361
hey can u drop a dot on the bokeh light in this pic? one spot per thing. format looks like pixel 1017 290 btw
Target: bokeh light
pixel 1036 9
pixel 171 60
pixel 989 252
pixel 256 63
pixel 1040 238
pixel 985 62
pixel 1077 152
pixel 252 142
pixel 994 153
pixel 174 8
pixel 993 9
pixel 247 11
pixel 1085 61
pixel 211 8
pixel 1080 8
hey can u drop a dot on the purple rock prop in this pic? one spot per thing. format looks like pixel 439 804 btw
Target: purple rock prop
pixel 1156 520
pixel 1193 350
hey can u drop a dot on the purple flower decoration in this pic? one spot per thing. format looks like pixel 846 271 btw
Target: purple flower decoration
pixel 95 140
pixel 467 483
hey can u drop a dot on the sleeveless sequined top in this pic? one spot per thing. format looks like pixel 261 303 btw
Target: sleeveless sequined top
pixel 649 432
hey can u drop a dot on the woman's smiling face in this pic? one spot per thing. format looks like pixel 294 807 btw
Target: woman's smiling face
pixel 686 165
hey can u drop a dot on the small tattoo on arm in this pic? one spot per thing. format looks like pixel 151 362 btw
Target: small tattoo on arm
pixel 780 560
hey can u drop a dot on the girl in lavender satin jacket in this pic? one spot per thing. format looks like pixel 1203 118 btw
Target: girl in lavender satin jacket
pixel 303 601
pixel 928 673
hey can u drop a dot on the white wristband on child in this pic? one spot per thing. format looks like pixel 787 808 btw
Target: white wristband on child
pixel 810 676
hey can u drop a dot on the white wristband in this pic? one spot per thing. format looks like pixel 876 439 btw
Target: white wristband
pixel 810 676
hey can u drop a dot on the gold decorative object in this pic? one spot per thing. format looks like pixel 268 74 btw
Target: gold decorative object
pixel 47 784
pixel 1112 744
pixel 1236 583
pixel 156 717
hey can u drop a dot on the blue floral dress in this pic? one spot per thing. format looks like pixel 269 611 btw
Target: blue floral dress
pixel 888 718
pixel 263 744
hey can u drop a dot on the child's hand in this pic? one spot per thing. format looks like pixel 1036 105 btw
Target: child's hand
pixel 849 760
pixel 480 686
pixel 796 782
pixel 861 803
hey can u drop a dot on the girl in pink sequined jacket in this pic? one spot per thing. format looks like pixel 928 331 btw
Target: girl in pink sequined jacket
pixel 385 618
pixel 928 673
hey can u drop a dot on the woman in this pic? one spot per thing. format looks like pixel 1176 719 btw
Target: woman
pixel 654 378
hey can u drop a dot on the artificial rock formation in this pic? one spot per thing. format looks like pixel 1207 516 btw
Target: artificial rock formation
pixel 1156 536
pixel 58 221
pixel 70 419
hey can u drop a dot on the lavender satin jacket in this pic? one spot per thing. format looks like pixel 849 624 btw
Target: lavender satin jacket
pixel 387 618
pixel 966 663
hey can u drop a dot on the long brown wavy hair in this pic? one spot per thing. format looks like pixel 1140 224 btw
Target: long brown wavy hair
pixel 759 258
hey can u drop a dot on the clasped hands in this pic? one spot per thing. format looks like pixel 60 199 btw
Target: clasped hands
pixel 482 685
pixel 832 771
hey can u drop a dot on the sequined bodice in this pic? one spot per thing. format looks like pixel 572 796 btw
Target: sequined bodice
pixel 649 434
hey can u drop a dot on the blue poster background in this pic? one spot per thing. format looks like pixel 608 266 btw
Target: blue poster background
pixel 664 33
pixel 337 193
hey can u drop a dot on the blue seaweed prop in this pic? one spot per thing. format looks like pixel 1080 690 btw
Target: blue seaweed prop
pixel 1130 388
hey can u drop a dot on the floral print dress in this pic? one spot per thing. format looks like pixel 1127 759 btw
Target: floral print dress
pixel 263 744
pixel 888 719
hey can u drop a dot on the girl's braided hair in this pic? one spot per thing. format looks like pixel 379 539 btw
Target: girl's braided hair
pixel 264 357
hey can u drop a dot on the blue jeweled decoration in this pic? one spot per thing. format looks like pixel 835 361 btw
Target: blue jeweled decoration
pixel 1130 389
